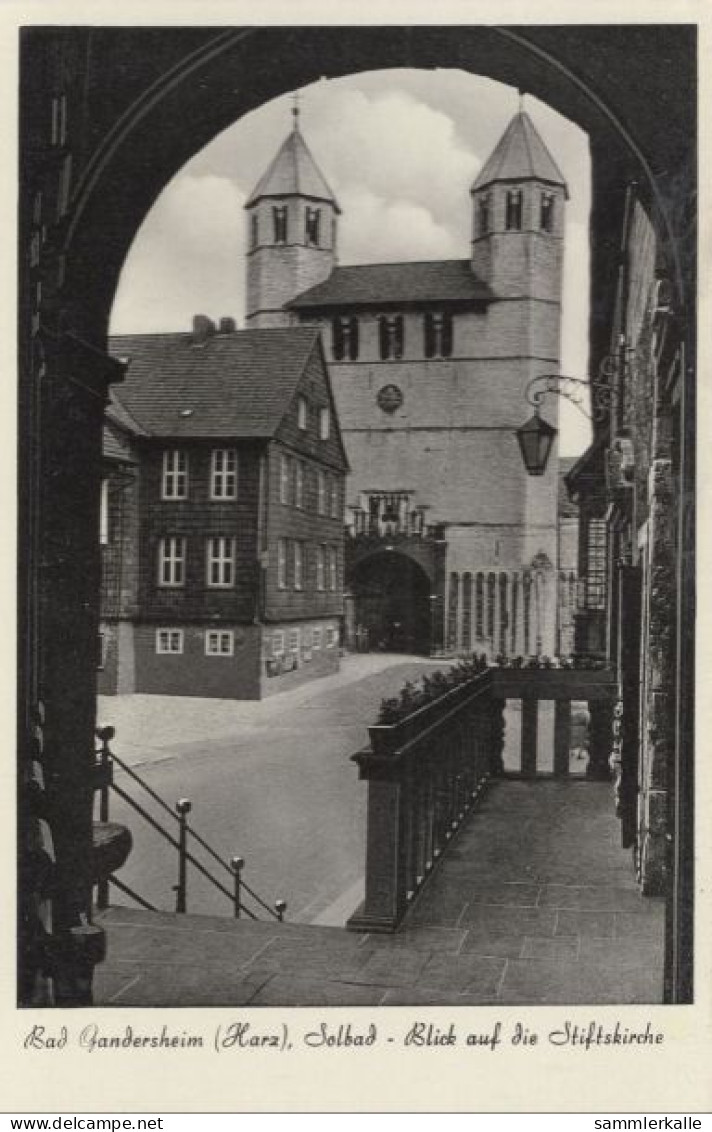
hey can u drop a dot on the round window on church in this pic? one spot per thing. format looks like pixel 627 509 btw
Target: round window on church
pixel 389 398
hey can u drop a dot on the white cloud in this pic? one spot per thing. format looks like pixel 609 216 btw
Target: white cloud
pixel 378 229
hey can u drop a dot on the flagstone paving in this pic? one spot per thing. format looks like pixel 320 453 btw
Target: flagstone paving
pixel 535 902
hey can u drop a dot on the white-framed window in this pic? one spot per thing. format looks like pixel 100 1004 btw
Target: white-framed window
pixel 332 637
pixel 175 474
pixel 335 499
pixel 284 479
pixel 171 561
pixel 324 422
pixel 104 513
pixel 320 567
pixel 298 559
pixel 223 474
pixel 294 636
pixel 302 413
pixel 333 568
pixel 281 564
pixel 278 643
pixel 220 562
pixel 320 492
pixel 316 639
pixel 298 484
pixel 169 641
pixel 219 642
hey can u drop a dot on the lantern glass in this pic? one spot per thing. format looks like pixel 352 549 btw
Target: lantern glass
pixel 536 438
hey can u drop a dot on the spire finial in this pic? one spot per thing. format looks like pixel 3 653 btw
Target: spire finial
pixel 295 110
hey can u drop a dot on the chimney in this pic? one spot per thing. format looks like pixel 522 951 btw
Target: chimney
pixel 203 328
pixel 227 326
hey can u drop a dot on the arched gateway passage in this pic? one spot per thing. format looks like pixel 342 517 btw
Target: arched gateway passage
pixel 108 116
pixel 390 605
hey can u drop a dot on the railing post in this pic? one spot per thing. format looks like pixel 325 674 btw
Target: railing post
pixel 386 830
pixel 600 740
pixel 530 712
pixel 105 734
pixel 183 808
pixel 237 864
pixel 562 737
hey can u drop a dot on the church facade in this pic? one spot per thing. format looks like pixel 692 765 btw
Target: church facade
pixel 451 546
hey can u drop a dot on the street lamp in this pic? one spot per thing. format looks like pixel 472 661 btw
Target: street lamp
pixel 536 437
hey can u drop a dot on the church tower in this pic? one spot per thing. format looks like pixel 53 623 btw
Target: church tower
pixel 518 216
pixel 292 230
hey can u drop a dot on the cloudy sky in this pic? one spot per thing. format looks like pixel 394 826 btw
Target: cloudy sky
pixel 400 149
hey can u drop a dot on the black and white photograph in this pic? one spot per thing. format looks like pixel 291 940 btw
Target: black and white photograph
pixel 356 523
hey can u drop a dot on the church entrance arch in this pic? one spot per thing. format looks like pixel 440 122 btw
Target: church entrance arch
pixel 390 600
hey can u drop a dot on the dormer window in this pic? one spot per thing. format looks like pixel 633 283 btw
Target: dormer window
pixel 302 413
pixel 546 216
pixel 438 335
pixel 254 230
pixel 344 339
pixel 513 215
pixel 483 215
pixel 391 336
pixel 279 220
pixel 312 218
pixel 324 423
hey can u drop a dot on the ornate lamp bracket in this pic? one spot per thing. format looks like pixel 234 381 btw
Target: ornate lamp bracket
pixel 603 391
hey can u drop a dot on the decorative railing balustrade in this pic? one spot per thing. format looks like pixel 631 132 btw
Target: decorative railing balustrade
pixel 424 775
pixel 184 839
pixel 426 772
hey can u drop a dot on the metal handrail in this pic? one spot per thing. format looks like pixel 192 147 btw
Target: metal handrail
pixel 183 807
pixel 134 895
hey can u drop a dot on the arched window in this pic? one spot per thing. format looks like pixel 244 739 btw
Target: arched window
pixel 437 335
pixel 546 214
pixel 491 599
pixel 483 215
pixel 479 607
pixel 503 619
pixel 391 336
pixel 344 339
pixel 513 215
pixel 452 611
pixel 467 612
pixel 279 221
pixel 312 219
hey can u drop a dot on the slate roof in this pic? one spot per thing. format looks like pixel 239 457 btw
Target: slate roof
pixel 520 155
pixel 566 509
pixel 293 172
pixel 376 284
pixel 238 384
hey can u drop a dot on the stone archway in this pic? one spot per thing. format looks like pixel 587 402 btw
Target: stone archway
pixel 391 604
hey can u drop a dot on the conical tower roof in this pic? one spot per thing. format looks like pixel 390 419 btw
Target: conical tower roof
pixel 293 172
pixel 520 155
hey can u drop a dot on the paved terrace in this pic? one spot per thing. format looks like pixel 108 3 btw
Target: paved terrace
pixel 535 902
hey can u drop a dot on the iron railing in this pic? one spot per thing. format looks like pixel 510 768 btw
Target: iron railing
pixel 181 840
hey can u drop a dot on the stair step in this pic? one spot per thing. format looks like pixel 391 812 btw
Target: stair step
pixel 117 917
